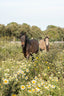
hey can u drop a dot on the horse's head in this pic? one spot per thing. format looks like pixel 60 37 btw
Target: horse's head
pixel 46 40
pixel 47 43
pixel 23 39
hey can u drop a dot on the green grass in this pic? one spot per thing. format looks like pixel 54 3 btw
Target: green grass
pixel 43 77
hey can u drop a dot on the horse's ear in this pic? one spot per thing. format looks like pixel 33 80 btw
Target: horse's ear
pixel 47 37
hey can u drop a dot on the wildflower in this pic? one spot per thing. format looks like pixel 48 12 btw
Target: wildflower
pixel 34 81
pixel 46 87
pixel 23 76
pixel 48 67
pixel 41 92
pixel 27 70
pixel 59 88
pixel 33 90
pixel 3 78
pixel 42 83
pixel 39 75
pixel 52 86
pixel 29 65
pixel 29 91
pixel 5 81
pixel 18 72
pixel 15 75
pixel 28 86
pixel 36 78
pixel 48 81
pixel 22 72
pixel 58 72
pixel 50 78
pixel 49 85
pixel 25 65
pixel 6 74
pixel 37 89
pixel 56 80
pixel 26 77
pixel 7 70
pixel 34 64
pixel 22 87
pixel 46 62
pixel 36 57
pixel 1 86
pixel 10 78
pixel 16 79
pixel 45 74
pixel 13 95
pixel 39 85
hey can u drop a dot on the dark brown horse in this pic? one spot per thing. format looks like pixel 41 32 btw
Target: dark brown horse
pixel 29 46
pixel 44 44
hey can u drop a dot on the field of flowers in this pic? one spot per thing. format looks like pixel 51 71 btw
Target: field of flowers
pixel 20 77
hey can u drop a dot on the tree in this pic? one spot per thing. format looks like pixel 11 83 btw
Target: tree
pixel 36 32
pixel 54 33
pixel 12 29
pixel 26 28
pixel 2 30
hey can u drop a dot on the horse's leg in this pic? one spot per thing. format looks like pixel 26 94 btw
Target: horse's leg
pixel 27 55
pixel 32 57
pixel 45 49
pixel 40 49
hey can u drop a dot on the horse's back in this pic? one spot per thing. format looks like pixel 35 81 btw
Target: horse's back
pixel 34 42
pixel 34 45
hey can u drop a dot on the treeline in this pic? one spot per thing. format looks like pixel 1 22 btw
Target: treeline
pixel 13 30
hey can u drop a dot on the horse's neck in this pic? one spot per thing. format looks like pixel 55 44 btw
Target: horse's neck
pixel 27 41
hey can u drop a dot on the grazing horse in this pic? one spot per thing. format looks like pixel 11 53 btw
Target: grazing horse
pixel 29 46
pixel 44 44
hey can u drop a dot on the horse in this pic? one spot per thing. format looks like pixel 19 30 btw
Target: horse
pixel 28 46
pixel 44 44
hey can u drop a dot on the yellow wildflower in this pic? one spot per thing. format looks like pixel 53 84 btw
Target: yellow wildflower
pixel 29 91
pixel 13 95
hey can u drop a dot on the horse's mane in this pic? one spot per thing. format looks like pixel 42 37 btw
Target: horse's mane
pixel 27 40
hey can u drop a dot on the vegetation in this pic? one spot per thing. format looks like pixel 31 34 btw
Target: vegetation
pixel 21 77
pixel 13 30
pixel 42 77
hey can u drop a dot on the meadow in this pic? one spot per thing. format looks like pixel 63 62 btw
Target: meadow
pixel 21 77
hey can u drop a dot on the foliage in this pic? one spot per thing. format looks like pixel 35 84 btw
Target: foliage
pixel 54 33
pixel 13 30
pixel 41 77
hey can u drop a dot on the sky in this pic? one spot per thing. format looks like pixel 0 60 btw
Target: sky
pixel 40 13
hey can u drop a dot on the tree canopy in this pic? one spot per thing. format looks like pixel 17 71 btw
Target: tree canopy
pixel 13 29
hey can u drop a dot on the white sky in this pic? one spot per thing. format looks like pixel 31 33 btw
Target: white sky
pixel 33 12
